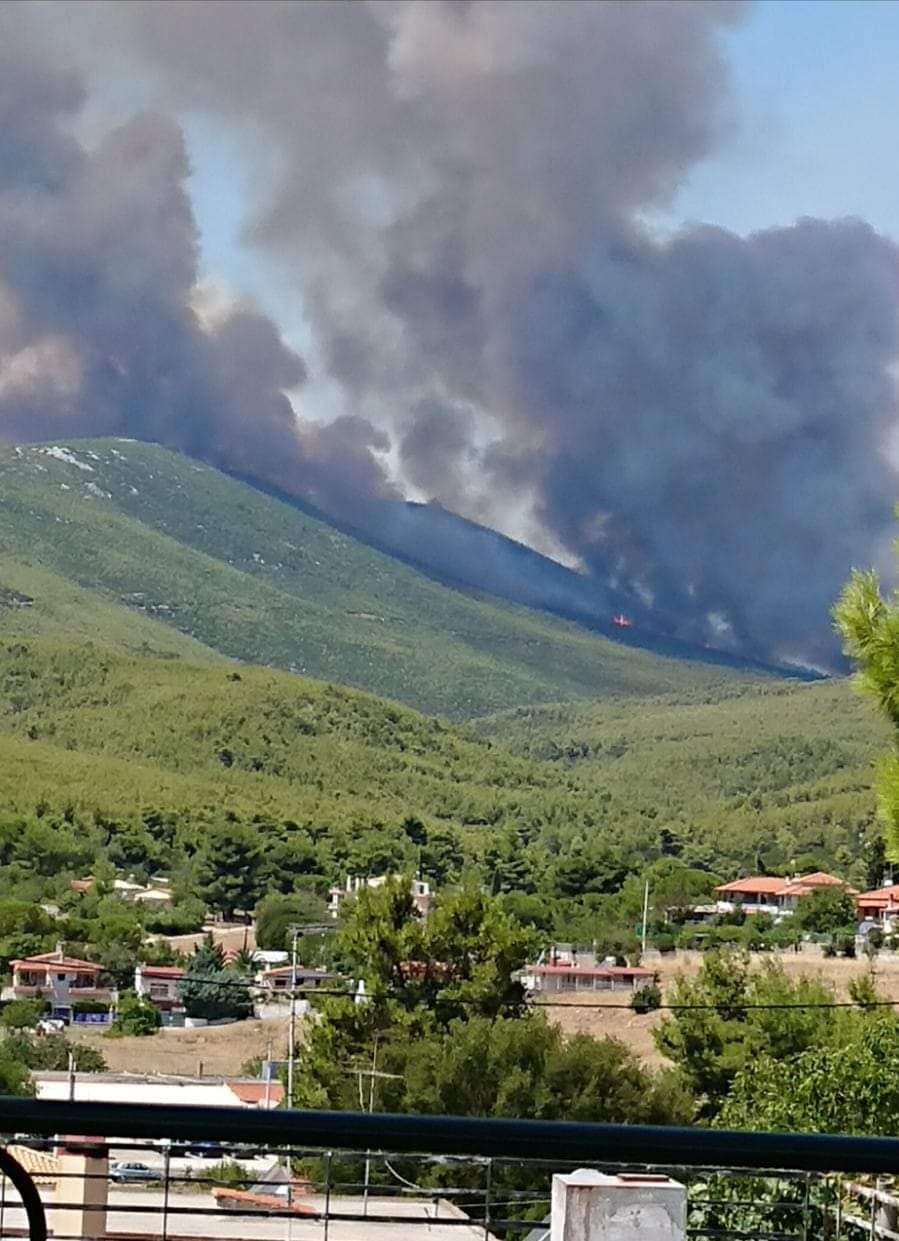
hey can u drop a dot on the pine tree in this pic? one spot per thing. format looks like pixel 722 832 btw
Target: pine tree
pixel 211 991
pixel 869 624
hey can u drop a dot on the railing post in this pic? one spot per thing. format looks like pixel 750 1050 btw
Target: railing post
pixel 487 1201
pixel 165 1201
pixel 872 1219
pixel 593 1206
pixel 328 1194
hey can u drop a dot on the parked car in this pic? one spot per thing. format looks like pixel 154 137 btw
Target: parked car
pixel 122 1172
pixel 206 1150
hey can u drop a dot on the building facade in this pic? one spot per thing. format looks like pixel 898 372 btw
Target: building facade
pixel 774 894
pixel 63 982
pixel 160 985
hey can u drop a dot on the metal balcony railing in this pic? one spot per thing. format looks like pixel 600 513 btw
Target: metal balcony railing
pixel 83 1170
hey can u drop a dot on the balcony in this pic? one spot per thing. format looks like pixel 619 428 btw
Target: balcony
pixel 245 1175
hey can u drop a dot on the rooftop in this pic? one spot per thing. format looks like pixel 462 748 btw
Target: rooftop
pixel 780 885
pixel 56 960
pixel 594 971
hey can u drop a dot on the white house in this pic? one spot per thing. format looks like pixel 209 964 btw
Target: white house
pixel 421 892
pixel 159 985
pixel 284 977
pixel 60 980
pixel 571 977
pixel 158 897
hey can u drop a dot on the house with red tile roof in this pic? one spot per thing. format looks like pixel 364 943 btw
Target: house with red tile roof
pixel 60 980
pixel 774 894
pixel 160 985
pixel 879 905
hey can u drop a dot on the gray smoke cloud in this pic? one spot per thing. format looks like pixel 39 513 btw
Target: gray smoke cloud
pixel 461 203
pixel 98 279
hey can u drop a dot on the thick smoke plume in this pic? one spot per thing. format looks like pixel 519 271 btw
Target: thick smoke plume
pixel 464 187
pixel 98 280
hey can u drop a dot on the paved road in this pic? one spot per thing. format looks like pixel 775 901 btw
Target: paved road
pixel 141 1213
pixel 184 1166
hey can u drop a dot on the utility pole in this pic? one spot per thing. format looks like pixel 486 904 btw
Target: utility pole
pixel 645 916
pixel 371 1108
pixel 371 1074
pixel 268 1077
pixel 291 1029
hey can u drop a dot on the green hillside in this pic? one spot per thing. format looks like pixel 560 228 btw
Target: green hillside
pixel 778 773
pixel 126 542
pixel 88 736
pixel 778 776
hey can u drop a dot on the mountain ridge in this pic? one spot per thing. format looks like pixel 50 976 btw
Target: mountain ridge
pixel 241 574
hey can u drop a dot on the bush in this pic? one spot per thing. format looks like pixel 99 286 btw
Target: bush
pixel 647 999
pixel 90 1006
pixel 845 944
pixel 50 1052
pixel 22 1014
pixel 228 1173
pixel 665 942
pixel 136 1015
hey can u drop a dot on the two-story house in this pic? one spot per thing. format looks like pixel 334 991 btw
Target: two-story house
pixel 60 980
pixel 160 985
pixel 419 888
pixel 774 894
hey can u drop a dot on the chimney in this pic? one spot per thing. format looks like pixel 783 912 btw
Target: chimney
pixel 593 1206
pixel 83 1187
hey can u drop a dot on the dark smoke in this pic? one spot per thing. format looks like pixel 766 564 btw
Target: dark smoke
pixel 462 206
pixel 98 273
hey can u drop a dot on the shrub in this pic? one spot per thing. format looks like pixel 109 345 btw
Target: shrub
pixel 846 944
pixel 136 1015
pixel 22 1014
pixel 647 999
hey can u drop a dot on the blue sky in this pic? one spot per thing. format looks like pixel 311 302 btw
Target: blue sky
pixel 816 93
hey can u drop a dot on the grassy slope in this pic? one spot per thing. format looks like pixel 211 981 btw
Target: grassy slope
pixel 71 613
pixel 239 572
pixel 787 765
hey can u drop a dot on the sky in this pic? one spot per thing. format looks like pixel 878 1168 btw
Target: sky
pixel 816 93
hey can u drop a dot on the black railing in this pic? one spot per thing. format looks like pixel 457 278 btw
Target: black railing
pixel 388 1174
pixel 688 1147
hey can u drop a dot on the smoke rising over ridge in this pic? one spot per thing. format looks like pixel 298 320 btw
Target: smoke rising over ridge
pixel 700 421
